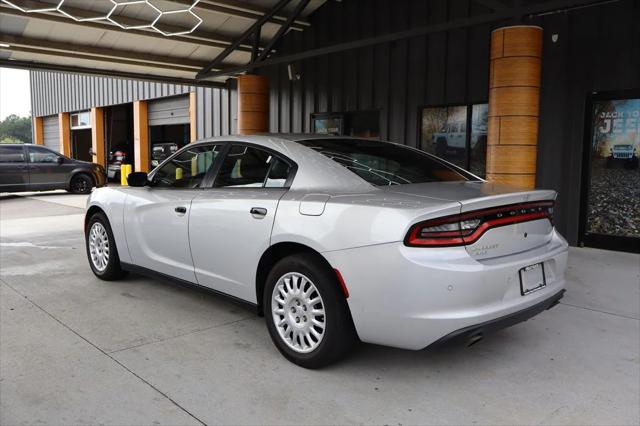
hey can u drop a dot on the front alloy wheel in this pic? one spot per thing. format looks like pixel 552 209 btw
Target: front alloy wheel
pixel 306 311
pixel 99 246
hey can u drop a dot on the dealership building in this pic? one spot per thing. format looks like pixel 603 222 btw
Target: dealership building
pixel 539 94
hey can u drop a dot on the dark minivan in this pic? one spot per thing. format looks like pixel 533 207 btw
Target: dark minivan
pixel 36 168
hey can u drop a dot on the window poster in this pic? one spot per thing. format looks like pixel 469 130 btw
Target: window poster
pixel 614 187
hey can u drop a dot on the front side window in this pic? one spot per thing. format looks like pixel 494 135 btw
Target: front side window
pixel 187 169
pixel 11 154
pixel 42 155
pixel 249 167
pixel 384 164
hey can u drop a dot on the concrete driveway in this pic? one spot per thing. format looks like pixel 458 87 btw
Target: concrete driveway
pixel 76 350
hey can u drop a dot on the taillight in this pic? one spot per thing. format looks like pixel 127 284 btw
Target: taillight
pixel 467 228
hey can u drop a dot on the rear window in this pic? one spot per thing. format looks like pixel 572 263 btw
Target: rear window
pixel 11 154
pixel 383 164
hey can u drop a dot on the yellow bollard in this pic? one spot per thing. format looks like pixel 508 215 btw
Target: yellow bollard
pixel 123 175
pixel 125 171
pixel 178 173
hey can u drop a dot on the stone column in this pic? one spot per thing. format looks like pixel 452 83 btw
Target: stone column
pixel 253 104
pixel 514 100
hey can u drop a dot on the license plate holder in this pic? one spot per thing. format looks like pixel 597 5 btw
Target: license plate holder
pixel 532 278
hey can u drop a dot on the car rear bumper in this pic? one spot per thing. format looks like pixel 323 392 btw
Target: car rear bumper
pixel 472 332
pixel 410 297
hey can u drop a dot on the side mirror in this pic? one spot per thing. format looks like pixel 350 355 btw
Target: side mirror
pixel 60 160
pixel 138 179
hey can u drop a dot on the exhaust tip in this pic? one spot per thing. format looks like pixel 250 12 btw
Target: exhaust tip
pixel 474 339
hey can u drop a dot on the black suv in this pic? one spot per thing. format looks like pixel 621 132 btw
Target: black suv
pixel 36 168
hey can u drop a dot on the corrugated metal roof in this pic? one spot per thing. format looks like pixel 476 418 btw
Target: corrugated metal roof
pixel 53 38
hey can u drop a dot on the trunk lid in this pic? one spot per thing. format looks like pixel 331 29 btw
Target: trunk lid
pixel 500 240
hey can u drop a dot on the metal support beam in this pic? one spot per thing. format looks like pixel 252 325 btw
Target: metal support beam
pixel 503 15
pixel 29 65
pixel 282 30
pixel 32 45
pixel 256 44
pixel 218 60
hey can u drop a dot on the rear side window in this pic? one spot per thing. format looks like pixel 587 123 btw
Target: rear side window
pixel 249 167
pixel 383 164
pixel 11 154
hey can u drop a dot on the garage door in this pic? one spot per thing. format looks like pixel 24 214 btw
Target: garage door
pixel 168 111
pixel 51 132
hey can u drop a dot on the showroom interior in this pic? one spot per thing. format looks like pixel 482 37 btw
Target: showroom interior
pixel 540 94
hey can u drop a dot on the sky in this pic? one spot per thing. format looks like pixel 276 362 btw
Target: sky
pixel 15 97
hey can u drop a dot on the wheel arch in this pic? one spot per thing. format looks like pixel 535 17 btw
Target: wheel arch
pixel 272 256
pixel 92 210
pixel 81 171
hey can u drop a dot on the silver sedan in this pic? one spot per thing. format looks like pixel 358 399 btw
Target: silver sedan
pixel 336 240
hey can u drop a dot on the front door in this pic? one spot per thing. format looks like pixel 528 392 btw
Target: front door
pixel 45 169
pixel 14 174
pixel 230 224
pixel 157 216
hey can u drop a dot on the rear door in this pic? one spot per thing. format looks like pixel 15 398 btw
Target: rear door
pixel 14 173
pixel 157 217
pixel 44 169
pixel 230 224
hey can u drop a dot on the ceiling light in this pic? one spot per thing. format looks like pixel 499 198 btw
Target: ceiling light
pixel 5 45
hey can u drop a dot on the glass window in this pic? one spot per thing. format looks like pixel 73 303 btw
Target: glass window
pixel 478 144
pixel 382 164
pixel 11 154
pixel 444 134
pixel 81 120
pixel 187 169
pixel 249 167
pixel 613 207
pixel 42 155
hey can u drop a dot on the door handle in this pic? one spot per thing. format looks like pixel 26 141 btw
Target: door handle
pixel 258 211
pixel 180 210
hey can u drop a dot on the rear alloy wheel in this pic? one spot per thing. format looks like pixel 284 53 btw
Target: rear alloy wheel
pixel 101 249
pixel 306 312
pixel 81 184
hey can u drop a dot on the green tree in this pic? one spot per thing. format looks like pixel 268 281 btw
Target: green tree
pixel 16 128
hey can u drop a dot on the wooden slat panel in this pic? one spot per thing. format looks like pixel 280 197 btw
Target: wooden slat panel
pixel 520 181
pixel 523 41
pixel 516 71
pixel 514 101
pixel 516 159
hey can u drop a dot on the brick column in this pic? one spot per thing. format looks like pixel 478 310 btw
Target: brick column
pixel 97 136
pixel 253 104
pixel 140 136
pixel 514 100
pixel 38 130
pixel 193 129
pixel 64 128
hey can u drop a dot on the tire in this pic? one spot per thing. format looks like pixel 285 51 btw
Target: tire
pixel 110 269
pixel 81 184
pixel 338 335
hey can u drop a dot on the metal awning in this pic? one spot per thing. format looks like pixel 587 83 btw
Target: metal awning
pixel 168 40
